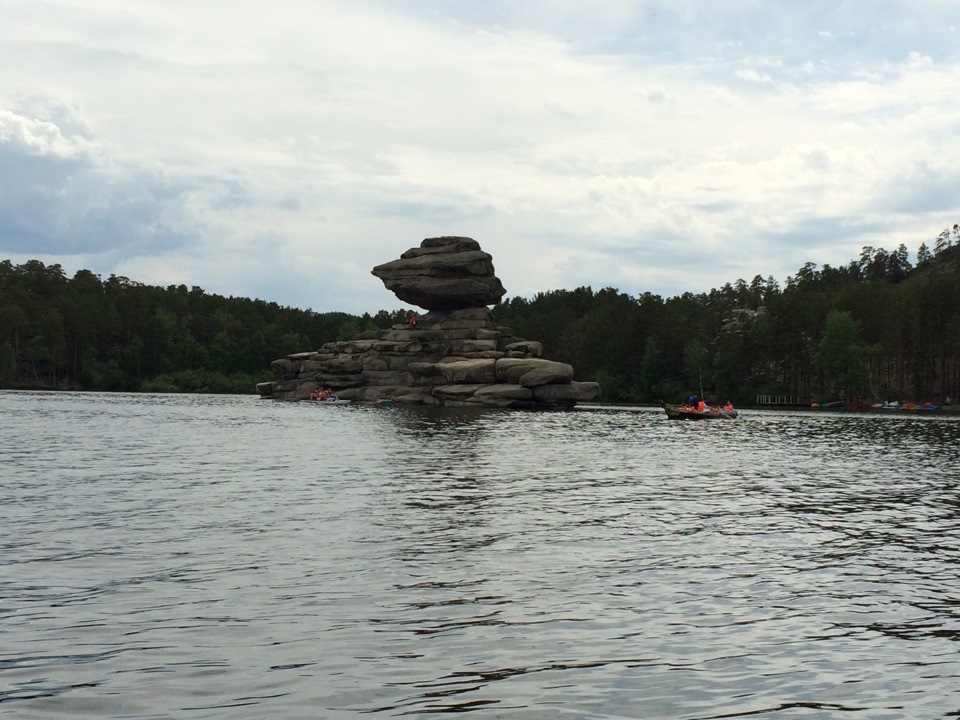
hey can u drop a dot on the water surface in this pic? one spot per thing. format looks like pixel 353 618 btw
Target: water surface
pixel 169 556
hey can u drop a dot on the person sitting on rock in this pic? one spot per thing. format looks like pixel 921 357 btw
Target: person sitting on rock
pixel 413 321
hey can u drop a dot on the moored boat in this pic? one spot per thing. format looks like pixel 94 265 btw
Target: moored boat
pixel 684 412
pixel 325 396
pixel 920 407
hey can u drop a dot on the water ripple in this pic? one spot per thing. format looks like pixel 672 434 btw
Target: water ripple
pixel 208 556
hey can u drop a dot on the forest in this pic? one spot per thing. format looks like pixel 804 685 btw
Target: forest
pixel 877 328
pixel 85 333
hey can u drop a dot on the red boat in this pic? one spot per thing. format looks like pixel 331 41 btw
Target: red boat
pixel 685 412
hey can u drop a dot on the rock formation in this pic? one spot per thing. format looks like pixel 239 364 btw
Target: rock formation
pixel 444 273
pixel 455 355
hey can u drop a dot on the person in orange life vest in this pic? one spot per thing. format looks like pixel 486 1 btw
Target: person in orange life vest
pixel 728 407
pixel 701 406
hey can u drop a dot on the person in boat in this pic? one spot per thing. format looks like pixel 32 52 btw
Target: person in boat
pixel 728 407
pixel 314 394
pixel 701 406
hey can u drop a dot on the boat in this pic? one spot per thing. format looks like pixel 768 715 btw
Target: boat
pixel 384 402
pixel 921 407
pixel 684 412
pixel 329 401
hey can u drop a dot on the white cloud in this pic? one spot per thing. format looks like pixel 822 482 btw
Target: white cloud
pixel 754 76
pixel 609 144
pixel 62 192
pixel 41 137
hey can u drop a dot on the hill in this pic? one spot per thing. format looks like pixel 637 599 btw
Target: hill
pixel 877 328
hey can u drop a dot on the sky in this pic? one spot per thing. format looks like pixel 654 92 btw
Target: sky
pixel 281 150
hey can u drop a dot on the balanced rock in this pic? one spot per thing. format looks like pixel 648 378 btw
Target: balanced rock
pixel 455 355
pixel 444 273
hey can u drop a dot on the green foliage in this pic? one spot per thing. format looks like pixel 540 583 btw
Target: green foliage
pixel 876 328
pixel 348 330
pixel 8 365
pixel 694 358
pixel 87 333
pixel 841 356
pixel 652 372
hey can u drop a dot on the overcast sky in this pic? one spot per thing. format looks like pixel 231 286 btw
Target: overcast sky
pixel 280 150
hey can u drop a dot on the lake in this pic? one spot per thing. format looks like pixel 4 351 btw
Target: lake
pixel 177 556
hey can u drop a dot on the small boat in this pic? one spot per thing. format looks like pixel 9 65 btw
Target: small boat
pixel 329 401
pixel 384 402
pixel 683 412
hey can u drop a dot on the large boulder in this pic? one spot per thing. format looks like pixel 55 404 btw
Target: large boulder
pixel 454 355
pixel 532 372
pixel 566 393
pixel 469 371
pixel 444 273
pixel 503 395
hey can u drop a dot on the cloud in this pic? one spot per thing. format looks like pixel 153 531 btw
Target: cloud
pixel 61 192
pixel 753 76
pixel 651 145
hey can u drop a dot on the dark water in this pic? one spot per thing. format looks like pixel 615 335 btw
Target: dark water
pixel 221 557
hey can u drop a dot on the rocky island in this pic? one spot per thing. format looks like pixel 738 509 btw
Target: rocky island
pixel 453 355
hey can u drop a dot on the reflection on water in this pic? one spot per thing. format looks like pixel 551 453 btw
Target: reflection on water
pixel 209 557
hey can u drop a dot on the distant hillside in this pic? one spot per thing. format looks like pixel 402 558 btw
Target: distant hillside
pixel 118 334
pixel 876 328
pixel 947 262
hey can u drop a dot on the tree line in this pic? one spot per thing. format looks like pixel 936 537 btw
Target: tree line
pixel 877 328
pixel 117 334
